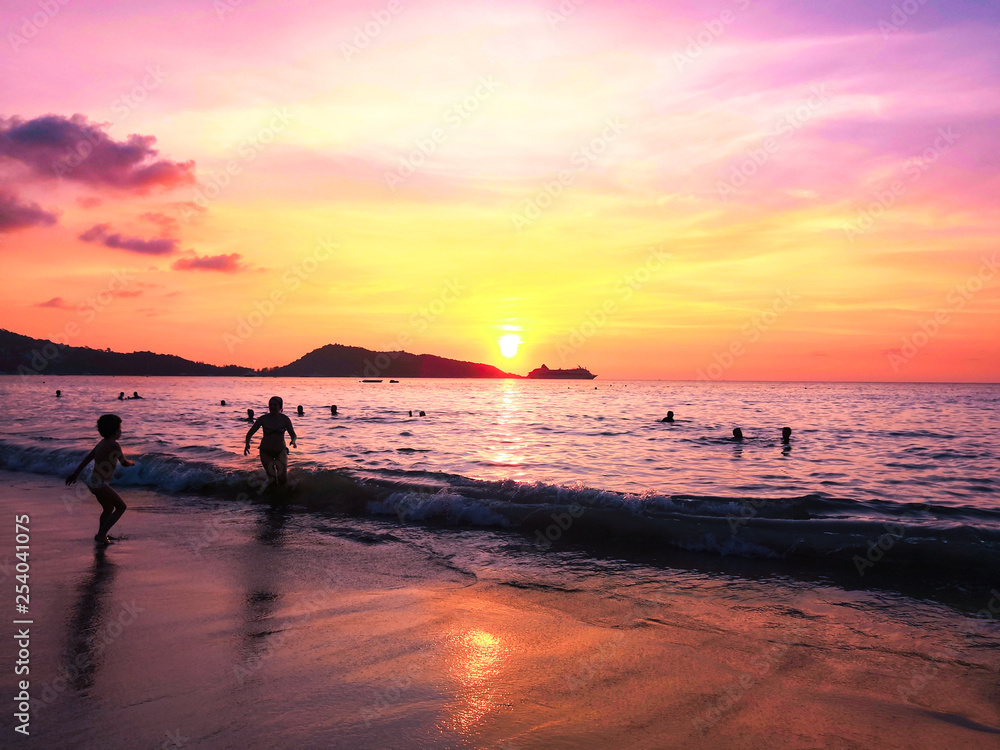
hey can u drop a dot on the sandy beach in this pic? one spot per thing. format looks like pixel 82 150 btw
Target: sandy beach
pixel 255 627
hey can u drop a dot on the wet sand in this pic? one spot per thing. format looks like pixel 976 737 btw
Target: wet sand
pixel 217 627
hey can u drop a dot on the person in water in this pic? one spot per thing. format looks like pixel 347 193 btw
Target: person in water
pixel 669 417
pixel 222 403
pixel 105 455
pixel 249 415
pixel 135 394
pixel 58 394
pixel 333 410
pixel 299 410
pixel 121 396
pixel 786 435
pixel 273 453
pixel 737 434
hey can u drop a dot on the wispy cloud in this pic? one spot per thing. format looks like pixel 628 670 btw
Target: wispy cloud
pixel 101 233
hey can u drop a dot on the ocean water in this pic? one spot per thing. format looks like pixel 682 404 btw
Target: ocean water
pixel 913 465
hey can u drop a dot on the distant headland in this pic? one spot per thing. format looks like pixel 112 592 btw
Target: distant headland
pixel 22 355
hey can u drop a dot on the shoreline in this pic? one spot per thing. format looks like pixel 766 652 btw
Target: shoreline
pixel 310 630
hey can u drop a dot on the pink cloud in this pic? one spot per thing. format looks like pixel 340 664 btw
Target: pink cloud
pixel 79 150
pixel 15 214
pixel 230 263
pixel 57 302
pixel 99 233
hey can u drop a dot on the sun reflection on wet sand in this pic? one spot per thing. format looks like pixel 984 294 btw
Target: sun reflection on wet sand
pixel 476 664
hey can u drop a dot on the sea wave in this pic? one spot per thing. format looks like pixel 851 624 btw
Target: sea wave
pixel 919 536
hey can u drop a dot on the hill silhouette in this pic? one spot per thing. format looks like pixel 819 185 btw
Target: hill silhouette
pixel 23 355
pixel 336 360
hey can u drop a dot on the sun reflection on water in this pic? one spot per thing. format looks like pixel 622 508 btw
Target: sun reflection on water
pixel 504 444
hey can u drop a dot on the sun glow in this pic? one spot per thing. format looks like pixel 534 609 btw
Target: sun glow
pixel 509 344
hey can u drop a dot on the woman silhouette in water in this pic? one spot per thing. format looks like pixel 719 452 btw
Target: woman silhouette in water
pixel 273 453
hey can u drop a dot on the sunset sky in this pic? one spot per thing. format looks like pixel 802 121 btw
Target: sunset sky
pixel 732 190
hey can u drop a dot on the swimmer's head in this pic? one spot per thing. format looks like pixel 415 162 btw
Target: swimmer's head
pixel 786 432
pixel 299 410
pixel 109 425
pixel 275 404
pixel 737 433
pixel 250 413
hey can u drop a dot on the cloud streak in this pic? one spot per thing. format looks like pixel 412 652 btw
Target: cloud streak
pixel 228 263
pixel 57 303
pixel 16 214
pixel 100 233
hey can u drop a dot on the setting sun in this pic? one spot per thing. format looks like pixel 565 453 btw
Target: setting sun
pixel 509 344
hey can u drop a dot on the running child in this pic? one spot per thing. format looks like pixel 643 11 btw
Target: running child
pixel 105 455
